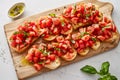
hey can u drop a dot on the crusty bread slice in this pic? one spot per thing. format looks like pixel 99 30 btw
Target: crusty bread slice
pixel 72 55
pixel 53 65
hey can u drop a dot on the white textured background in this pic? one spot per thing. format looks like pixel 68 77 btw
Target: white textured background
pixel 70 72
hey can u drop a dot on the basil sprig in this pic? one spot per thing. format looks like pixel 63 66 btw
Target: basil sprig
pixel 103 73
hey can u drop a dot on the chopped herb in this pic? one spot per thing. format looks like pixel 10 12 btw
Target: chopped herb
pixel 25 33
pixel 52 15
pixel 58 49
pixel 105 27
pixel 87 15
pixel 16 32
pixel 63 23
pixel 74 10
pixel 40 62
pixel 41 50
pixel 94 39
pixel 83 33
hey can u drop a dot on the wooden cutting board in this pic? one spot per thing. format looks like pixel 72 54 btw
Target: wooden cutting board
pixel 25 71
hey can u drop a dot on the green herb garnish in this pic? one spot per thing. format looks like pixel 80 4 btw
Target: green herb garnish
pixel 40 62
pixel 83 33
pixel 58 49
pixel 25 33
pixel 103 73
pixel 74 10
pixel 88 15
pixel 16 32
pixel 105 27
pixel 52 15
pixel 94 39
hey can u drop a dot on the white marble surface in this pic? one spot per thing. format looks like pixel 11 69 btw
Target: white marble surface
pixel 71 72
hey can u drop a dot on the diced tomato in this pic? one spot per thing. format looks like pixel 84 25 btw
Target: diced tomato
pixel 38 66
pixel 60 39
pixel 55 31
pixel 49 46
pixel 81 9
pixel 47 61
pixel 86 37
pixel 42 24
pixel 81 44
pixel 13 44
pixel 82 30
pixel 13 37
pixel 35 28
pixel 21 46
pixel 59 53
pixel 37 53
pixel 64 46
pixel 102 38
pixel 56 21
pixel 46 35
pixel 79 50
pixel 18 40
pixel 113 28
pixel 22 28
pixel 34 46
pixel 49 22
pixel 91 43
pixel 90 29
pixel 75 20
pixel 42 57
pixel 107 20
pixel 28 40
pixel 31 24
pixel 32 33
pixel 68 10
pixel 51 57
pixel 35 59
pixel 76 45
pixel 29 58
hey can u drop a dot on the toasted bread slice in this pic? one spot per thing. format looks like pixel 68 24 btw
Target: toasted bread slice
pixel 96 45
pixel 53 65
pixel 70 56
pixel 68 32
pixel 113 38
pixel 50 38
pixel 84 52
pixel 24 48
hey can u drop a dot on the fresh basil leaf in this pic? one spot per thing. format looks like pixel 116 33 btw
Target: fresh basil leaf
pixel 94 39
pixel 113 77
pixel 89 69
pixel 52 15
pixel 104 68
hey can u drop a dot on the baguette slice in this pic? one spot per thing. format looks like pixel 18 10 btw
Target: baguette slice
pixel 70 56
pixel 84 52
pixel 53 65
pixel 96 45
